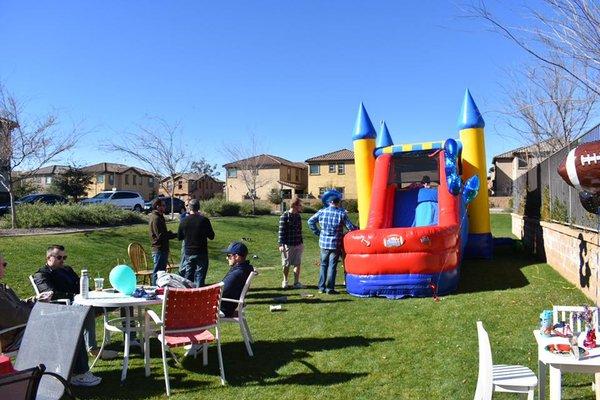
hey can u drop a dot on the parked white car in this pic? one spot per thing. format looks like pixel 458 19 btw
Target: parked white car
pixel 120 198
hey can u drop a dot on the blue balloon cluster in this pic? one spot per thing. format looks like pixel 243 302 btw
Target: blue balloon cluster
pixel 452 179
pixel 471 189
pixel 123 279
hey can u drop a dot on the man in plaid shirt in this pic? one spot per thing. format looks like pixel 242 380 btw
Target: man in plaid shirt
pixel 290 243
pixel 331 222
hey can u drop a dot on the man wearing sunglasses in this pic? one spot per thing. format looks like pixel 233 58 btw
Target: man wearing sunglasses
pixel 63 281
pixel 14 311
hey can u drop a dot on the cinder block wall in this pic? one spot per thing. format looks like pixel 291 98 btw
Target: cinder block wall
pixel 572 252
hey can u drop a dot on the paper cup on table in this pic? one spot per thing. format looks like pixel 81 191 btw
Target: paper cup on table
pixel 98 284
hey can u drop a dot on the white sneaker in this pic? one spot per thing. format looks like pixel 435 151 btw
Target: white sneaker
pixel 284 284
pixel 298 285
pixel 85 379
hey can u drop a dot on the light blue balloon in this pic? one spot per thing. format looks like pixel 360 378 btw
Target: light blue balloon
pixel 451 149
pixel 471 189
pixel 454 184
pixel 123 279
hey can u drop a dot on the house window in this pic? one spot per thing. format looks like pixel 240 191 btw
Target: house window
pixel 179 185
pixel 151 181
pixel 134 180
pixel 100 179
pixel 522 164
pixel 315 169
pixel 126 179
pixel 48 180
pixel 232 173
pixel 289 174
pixel 332 168
pixel 341 169
pixel 111 180
pixel 297 175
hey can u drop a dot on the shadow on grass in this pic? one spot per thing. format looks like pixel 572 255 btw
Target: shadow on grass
pixel 240 369
pixel 500 273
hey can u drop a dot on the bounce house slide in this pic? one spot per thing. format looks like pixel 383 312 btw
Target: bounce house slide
pixel 412 243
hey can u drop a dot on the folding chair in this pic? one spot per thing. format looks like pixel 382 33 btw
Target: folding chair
pixel 239 317
pixel 23 385
pixel 500 378
pixel 186 317
pixel 51 338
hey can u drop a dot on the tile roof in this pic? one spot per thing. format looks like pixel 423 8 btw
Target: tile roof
pixel 264 161
pixel 51 170
pixel 114 167
pixel 338 155
pixel 547 147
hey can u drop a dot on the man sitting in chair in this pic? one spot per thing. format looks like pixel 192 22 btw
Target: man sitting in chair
pixel 63 282
pixel 14 312
pixel 235 279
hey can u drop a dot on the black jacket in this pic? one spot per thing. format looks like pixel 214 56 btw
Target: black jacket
pixel 195 229
pixel 64 282
pixel 234 283
pixel 159 235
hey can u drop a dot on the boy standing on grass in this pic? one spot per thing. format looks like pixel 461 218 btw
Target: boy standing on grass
pixel 290 243
pixel 159 237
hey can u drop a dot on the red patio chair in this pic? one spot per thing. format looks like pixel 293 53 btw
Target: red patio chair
pixel 186 317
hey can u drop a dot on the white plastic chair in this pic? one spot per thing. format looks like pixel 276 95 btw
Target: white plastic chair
pixel 568 314
pixel 239 316
pixel 500 378
pixel 37 292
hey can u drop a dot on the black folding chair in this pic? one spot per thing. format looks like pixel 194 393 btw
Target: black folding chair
pixel 51 338
pixel 23 385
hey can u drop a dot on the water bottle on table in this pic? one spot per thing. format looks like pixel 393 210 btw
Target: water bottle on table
pixel 84 284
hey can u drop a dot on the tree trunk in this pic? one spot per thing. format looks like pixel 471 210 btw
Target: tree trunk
pixel 13 210
pixel 172 192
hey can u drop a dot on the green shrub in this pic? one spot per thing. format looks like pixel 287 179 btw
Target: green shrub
pixel 64 215
pixel 260 209
pixel 351 205
pixel 308 209
pixel 274 196
pixel 218 207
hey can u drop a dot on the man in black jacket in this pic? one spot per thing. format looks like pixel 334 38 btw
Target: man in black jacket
pixel 194 230
pixel 159 238
pixel 63 282
pixel 234 281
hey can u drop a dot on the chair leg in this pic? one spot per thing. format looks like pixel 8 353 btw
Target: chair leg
pixel 205 354
pixel 220 356
pixel 246 338
pixel 165 366
pixel 146 345
pixel 247 328
pixel 530 395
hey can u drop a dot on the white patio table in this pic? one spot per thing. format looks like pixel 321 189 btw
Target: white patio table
pixel 557 364
pixel 110 299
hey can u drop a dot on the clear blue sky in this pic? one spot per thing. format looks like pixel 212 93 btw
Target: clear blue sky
pixel 293 72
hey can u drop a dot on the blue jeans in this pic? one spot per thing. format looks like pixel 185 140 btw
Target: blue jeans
pixel 329 260
pixel 160 258
pixel 194 267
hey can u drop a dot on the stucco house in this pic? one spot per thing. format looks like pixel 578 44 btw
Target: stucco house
pixel 510 165
pixel 192 186
pixel 112 176
pixel 269 172
pixel 332 170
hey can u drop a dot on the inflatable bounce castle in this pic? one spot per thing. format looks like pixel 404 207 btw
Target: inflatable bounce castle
pixel 420 210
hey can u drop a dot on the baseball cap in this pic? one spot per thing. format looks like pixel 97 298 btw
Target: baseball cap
pixel 236 248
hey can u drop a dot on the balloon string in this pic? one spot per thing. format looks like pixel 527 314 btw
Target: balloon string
pixel 433 287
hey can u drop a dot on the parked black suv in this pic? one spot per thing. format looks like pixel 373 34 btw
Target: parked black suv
pixel 178 205
pixel 35 198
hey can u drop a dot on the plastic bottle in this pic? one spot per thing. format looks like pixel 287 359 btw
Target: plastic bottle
pixel 84 284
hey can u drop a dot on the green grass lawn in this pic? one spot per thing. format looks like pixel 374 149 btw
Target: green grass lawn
pixel 331 346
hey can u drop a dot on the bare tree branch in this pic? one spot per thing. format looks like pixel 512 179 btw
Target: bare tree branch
pixel 249 161
pixel 29 143
pixel 157 145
